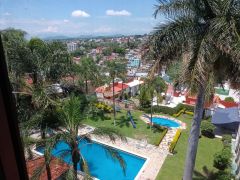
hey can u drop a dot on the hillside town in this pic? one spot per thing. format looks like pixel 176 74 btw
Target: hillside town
pixel 159 104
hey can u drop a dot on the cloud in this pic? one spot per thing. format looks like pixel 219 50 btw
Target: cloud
pixel 65 20
pixel 7 14
pixel 80 13
pixel 50 29
pixel 117 13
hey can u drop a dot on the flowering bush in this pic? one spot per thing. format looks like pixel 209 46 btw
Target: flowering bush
pixel 104 107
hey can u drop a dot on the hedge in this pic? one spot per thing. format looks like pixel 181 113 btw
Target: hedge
pixel 179 113
pixel 222 160
pixel 175 140
pixel 207 129
pixel 229 99
pixel 226 140
pixel 170 111
pixel 159 140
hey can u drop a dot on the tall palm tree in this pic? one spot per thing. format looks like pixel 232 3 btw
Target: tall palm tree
pixel 205 34
pixel 89 71
pixel 72 113
pixel 115 69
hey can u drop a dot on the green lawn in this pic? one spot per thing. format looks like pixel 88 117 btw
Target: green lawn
pixel 174 165
pixel 142 130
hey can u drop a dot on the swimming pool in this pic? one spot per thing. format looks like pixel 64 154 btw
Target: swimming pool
pixel 101 165
pixel 165 122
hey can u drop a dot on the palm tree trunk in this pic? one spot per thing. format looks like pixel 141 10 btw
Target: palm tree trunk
pixel 122 91
pixel 114 108
pixel 75 169
pixel 151 112
pixel 49 176
pixel 86 86
pixel 194 135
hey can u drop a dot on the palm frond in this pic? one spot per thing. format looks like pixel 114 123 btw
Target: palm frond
pixel 38 171
pixel 173 8
pixel 112 134
pixel 114 154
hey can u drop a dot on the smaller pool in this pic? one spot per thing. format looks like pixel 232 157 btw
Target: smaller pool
pixel 165 122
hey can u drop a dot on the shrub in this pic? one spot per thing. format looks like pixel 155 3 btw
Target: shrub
pixel 226 139
pixel 164 109
pixel 189 113
pixel 175 140
pixel 104 107
pixel 168 110
pixel 126 96
pixel 207 129
pixel 159 140
pixel 229 99
pixel 184 106
pixel 179 113
pixel 223 175
pixel 222 160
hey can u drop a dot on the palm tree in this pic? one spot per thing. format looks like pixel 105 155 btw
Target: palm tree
pixel 205 34
pixel 72 112
pixel 89 71
pixel 115 69
pixel 153 87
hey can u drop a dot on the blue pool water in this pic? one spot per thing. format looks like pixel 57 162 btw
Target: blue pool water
pixel 101 165
pixel 165 122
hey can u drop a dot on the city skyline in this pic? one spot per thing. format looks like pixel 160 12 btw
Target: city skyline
pixel 79 17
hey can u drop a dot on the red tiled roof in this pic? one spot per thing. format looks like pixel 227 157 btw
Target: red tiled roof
pixel 120 85
pixel 57 168
pixel 228 104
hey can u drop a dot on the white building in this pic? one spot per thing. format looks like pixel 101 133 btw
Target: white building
pixel 72 46
pixel 134 87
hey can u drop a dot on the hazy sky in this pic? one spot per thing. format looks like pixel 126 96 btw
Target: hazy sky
pixel 78 17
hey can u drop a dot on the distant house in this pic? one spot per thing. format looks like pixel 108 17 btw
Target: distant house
pixel 133 62
pixel 134 87
pixel 107 91
pixel 72 46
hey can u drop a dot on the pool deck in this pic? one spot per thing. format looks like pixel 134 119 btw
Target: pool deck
pixel 154 155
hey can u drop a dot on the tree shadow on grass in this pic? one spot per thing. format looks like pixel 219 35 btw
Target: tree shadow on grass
pixel 100 117
pixel 206 174
pixel 124 121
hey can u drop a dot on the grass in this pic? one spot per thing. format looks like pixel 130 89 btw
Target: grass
pixel 173 166
pixel 124 126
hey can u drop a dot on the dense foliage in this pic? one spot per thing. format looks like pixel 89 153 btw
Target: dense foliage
pixel 207 129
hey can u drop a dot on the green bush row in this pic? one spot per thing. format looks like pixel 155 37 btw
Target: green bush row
pixel 222 159
pixel 159 140
pixel 169 110
pixel 226 140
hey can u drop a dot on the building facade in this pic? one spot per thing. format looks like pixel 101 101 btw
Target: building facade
pixel 72 46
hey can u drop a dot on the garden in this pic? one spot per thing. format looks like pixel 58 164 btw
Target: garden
pixel 213 156
pixel 123 125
